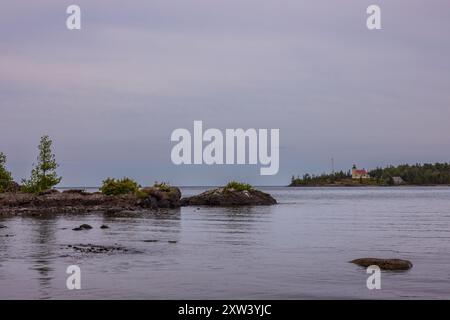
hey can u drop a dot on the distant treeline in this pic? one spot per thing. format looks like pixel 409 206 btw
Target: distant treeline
pixel 418 174
pixel 323 179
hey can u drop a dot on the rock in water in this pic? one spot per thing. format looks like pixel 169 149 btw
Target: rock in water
pixel 384 264
pixel 92 248
pixel 82 227
pixel 161 197
pixel 229 197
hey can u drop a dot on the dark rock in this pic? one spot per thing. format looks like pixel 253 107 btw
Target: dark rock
pixel 76 191
pixel 104 226
pixel 82 227
pixel 155 193
pixel 150 240
pixel 49 191
pixel 172 241
pixel 112 210
pixel 229 197
pixel 164 203
pixel 91 248
pixel 3 226
pixel 384 264
pixel 161 198
pixel 149 202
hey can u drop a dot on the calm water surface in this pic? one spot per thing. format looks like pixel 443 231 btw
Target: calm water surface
pixel 298 249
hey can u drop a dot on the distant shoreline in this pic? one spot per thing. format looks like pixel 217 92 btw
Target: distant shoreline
pixel 368 186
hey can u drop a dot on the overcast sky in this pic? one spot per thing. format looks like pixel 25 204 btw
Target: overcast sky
pixel 111 94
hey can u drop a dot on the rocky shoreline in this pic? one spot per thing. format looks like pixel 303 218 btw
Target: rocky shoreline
pixel 224 197
pixel 150 198
pixel 78 201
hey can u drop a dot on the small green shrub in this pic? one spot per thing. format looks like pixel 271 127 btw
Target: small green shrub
pixel 162 186
pixel 125 185
pixel 238 186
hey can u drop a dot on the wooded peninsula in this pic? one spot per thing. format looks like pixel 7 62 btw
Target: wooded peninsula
pixel 426 174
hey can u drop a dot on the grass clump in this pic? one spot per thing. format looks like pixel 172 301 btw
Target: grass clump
pixel 162 186
pixel 125 185
pixel 238 186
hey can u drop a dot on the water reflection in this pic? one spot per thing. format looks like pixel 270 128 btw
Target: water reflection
pixel 5 238
pixel 238 226
pixel 146 226
pixel 43 252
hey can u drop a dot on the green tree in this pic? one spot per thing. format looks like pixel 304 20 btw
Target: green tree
pixel 43 175
pixel 6 179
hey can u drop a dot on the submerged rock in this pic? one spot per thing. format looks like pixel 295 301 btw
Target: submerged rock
pixel 92 248
pixel 82 227
pixel 229 197
pixel 104 226
pixel 384 264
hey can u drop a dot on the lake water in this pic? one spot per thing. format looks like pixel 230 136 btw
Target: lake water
pixel 298 249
